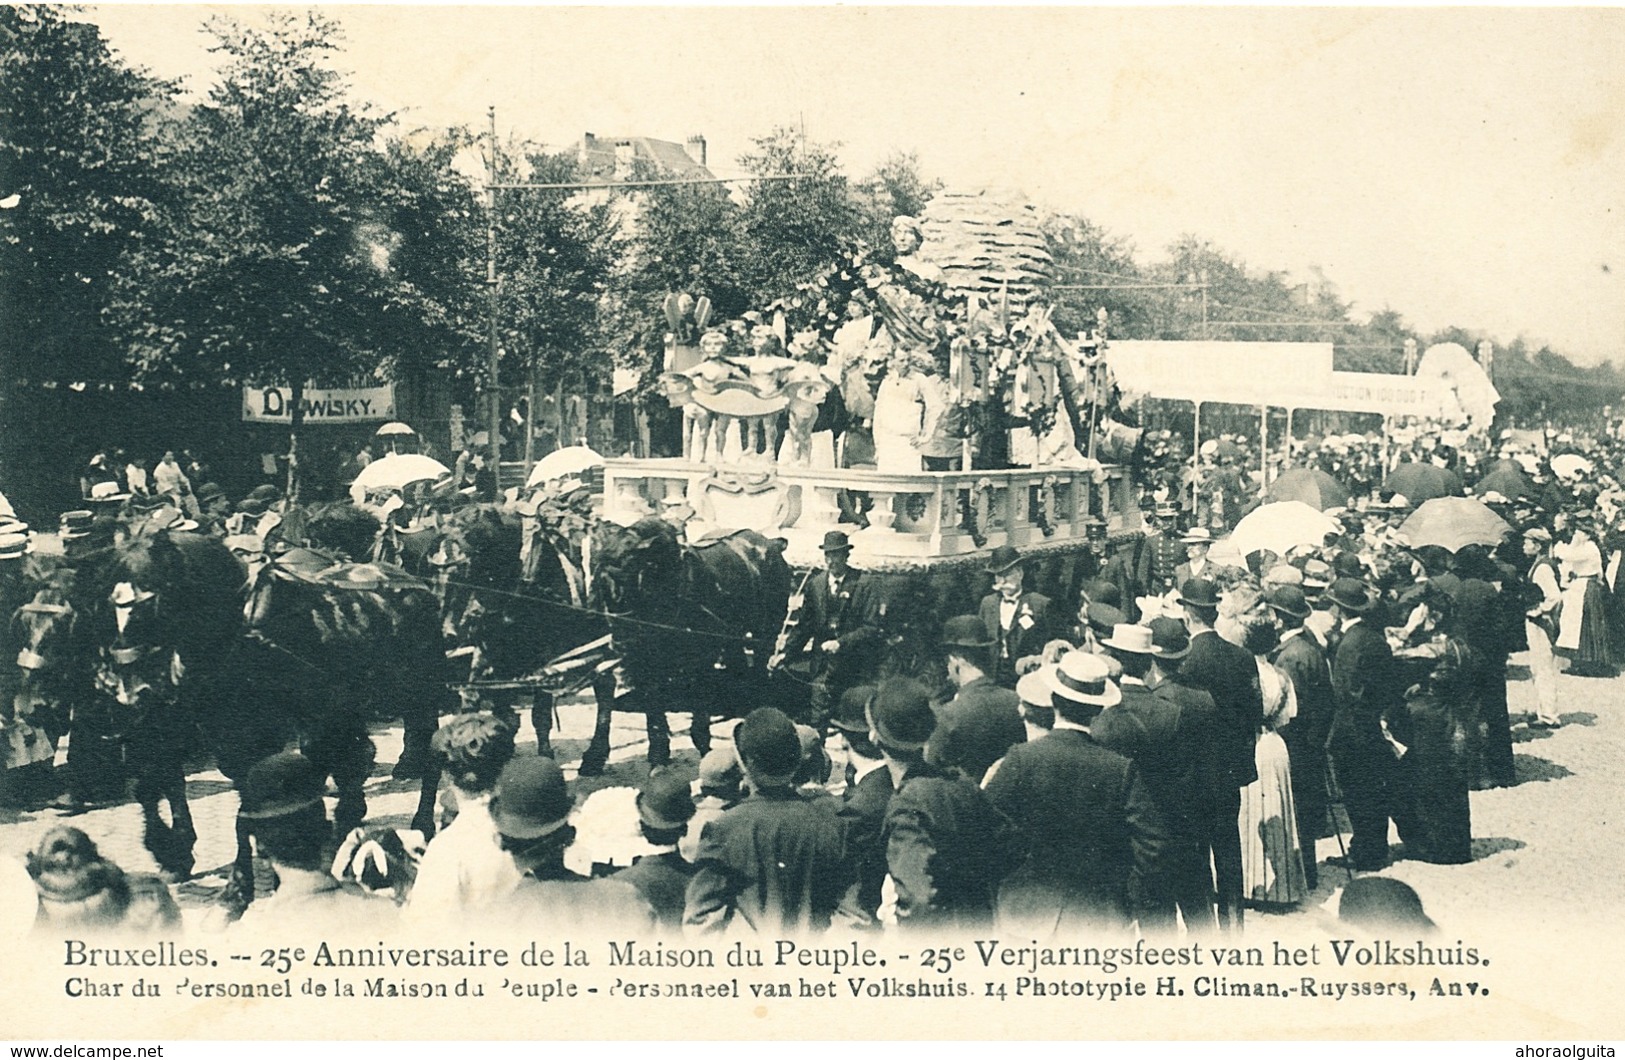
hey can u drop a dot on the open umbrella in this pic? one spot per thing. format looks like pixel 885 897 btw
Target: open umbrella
pixel 394 430
pixel 394 472
pixel 1423 482
pixel 1509 482
pixel 562 463
pixel 1310 485
pixel 1279 526
pixel 1451 522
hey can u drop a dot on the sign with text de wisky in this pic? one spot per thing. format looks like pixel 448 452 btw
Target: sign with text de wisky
pixel 322 405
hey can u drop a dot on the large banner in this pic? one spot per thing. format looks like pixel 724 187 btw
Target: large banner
pixel 275 404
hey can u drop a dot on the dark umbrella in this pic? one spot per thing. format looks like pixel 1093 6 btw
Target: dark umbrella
pixel 1452 522
pixel 1423 482
pixel 1310 485
pixel 1505 463
pixel 1508 482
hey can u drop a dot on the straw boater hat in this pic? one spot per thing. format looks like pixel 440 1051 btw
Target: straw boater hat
pixel 1083 678
pixel 107 493
pixel 1132 638
pixel 76 524
pixel 14 546
pixel 1033 687
pixel 1198 535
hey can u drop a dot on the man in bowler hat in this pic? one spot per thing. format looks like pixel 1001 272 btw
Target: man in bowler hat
pixel 1170 740
pixel 983 720
pixel 283 808
pixel 946 846
pixel 665 806
pixel 838 624
pixel 1018 622
pixel 776 862
pixel 1304 661
pixel 1364 687
pixel 1230 675
pixel 531 809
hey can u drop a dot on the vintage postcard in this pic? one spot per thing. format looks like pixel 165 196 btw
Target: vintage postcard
pixel 811 522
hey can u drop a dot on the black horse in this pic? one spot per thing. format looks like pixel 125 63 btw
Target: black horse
pixel 157 623
pixel 694 625
pixel 329 645
pixel 512 596
pixel 180 661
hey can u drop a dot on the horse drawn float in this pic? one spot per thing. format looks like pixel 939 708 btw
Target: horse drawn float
pixel 927 405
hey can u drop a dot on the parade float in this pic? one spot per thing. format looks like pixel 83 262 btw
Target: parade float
pixel 926 404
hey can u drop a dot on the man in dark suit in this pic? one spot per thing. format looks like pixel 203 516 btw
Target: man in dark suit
pixel 1018 622
pixel 1091 831
pixel 1168 741
pixel 982 721
pixel 777 861
pixel 839 624
pixel 1364 686
pixel 1171 644
pixel 665 806
pixel 1230 675
pixel 946 846
pixel 1304 661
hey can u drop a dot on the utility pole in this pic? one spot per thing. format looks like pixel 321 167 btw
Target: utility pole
pixel 493 356
pixel 1203 277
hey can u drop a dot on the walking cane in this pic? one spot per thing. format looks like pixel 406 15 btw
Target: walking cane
pixel 1334 800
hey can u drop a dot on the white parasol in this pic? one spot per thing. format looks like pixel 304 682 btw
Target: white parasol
pixel 1568 465
pixel 389 430
pixel 394 472
pixel 563 463
pixel 1278 527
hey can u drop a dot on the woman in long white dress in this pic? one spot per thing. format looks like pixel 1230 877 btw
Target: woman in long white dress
pixel 899 422
pixel 1582 631
pixel 1271 858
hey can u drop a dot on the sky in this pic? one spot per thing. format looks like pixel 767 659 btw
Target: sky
pixel 1462 166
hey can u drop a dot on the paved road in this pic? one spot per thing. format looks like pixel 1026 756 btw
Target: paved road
pixel 1541 845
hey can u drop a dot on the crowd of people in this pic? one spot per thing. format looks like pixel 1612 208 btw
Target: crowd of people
pixel 1165 746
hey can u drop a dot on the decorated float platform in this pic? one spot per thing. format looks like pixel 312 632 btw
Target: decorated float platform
pixel 915 519
pixel 840 405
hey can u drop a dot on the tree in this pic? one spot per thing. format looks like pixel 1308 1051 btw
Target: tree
pixel 275 271
pixel 793 229
pixel 1096 270
pixel 896 188
pixel 430 226
pixel 556 252
pixel 80 183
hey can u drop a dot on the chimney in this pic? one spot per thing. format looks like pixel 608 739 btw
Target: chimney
pixel 624 153
pixel 696 149
pixel 584 156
